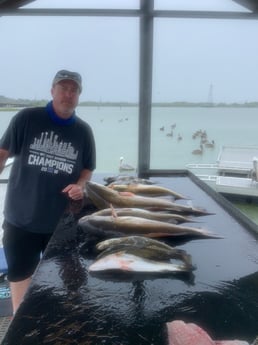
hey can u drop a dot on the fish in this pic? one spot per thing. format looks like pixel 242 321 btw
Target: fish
pixel 144 247
pixel 143 213
pixel 103 197
pixel 143 189
pixel 126 179
pixel 122 261
pixel 138 241
pixel 140 226
pixel 181 333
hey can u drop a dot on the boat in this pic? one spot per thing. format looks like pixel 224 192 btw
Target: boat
pixel 236 172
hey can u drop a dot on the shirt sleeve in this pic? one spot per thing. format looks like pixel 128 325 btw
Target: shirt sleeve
pixel 12 137
pixel 90 151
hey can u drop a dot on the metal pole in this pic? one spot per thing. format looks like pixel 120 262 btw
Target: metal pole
pixel 145 92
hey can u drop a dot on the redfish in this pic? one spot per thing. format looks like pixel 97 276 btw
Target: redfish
pixel 143 189
pixel 141 226
pixel 103 197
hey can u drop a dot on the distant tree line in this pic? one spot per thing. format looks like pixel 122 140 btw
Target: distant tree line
pixel 28 102
pixel 5 101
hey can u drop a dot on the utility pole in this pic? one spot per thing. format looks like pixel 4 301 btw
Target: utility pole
pixel 210 95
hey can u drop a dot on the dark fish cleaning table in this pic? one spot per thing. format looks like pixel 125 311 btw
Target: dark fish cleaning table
pixel 65 304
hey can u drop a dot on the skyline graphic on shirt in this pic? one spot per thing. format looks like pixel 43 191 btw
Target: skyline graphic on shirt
pixel 49 143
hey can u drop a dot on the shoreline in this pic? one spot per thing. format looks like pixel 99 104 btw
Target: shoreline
pixel 12 105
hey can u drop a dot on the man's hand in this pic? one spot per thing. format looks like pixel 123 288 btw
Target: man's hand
pixel 74 191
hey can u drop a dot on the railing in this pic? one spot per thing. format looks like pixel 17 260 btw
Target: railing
pixel 202 166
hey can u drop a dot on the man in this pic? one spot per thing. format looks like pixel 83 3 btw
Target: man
pixel 54 153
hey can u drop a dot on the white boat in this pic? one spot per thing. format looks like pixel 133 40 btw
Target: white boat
pixel 235 172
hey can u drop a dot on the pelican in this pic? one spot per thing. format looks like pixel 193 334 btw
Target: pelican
pixel 124 166
pixel 198 151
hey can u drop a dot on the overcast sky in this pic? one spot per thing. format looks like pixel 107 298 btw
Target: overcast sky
pixel 191 56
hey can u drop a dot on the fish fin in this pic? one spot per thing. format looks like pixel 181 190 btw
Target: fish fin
pixel 113 211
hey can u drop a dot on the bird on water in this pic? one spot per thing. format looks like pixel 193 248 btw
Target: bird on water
pixel 125 166
pixel 198 151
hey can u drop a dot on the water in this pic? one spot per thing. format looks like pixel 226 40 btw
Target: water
pixel 226 126
pixel 116 134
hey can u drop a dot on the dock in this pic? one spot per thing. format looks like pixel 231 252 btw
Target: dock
pixel 236 160
pixel 234 173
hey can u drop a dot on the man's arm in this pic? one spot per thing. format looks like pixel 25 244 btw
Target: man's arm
pixel 84 177
pixel 4 154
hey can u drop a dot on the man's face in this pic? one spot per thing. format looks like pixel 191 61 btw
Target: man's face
pixel 65 97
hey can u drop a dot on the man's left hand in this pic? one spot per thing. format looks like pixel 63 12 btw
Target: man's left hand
pixel 74 191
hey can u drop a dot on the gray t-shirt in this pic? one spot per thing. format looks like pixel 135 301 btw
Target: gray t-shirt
pixel 49 155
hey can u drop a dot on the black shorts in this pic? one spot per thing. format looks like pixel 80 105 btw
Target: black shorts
pixel 23 250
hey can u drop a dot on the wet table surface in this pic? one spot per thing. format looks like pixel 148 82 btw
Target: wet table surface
pixel 66 304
